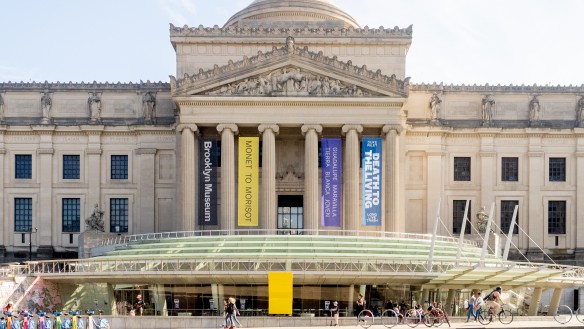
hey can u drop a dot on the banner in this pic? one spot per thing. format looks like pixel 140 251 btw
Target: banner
pixel 248 185
pixel 280 292
pixel 331 165
pixel 208 165
pixel 371 167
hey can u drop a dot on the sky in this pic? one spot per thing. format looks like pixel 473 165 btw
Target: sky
pixel 454 41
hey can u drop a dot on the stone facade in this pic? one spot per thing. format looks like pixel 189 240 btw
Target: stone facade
pixel 292 81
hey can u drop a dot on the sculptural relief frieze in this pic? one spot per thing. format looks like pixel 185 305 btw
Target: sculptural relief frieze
pixel 290 81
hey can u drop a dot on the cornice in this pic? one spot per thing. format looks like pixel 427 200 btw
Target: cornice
pixel 282 56
pixel 434 87
pixel 83 86
pixel 323 32
pixel 185 101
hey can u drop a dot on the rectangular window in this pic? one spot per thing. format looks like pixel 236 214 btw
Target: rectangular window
pixel 556 217
pixel 462 169
pixel 22 214
pixel 509 169
pixel 70 166
pixel 507 209
pixel 71 216
pixel 119 215
pixel 458 216
pixel 119 167
pixel 23 165
pixel 557 169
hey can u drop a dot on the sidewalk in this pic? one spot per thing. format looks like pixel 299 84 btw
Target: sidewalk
pixel 548 324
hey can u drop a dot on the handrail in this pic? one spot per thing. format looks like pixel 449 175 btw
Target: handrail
pixel 125 239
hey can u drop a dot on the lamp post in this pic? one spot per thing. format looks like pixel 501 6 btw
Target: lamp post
pixel 30 243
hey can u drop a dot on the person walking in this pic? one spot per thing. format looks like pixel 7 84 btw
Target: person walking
pixel 360 304
pixel 335 312
pixel 471 303
pixel 478 305
pixel 231 313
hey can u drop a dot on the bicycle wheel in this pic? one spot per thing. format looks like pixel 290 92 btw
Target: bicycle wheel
pixel 365 318
pixel 563 314
pixel 433 320
pixel 389 318
pixel 579 313
pixel 484 317
pixel 505 316
pixel 412 319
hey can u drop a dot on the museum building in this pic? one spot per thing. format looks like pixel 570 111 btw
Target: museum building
pixel 291 120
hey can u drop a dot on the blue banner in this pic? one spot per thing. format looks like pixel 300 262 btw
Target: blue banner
pixel 371 167
pixel 208 165
pixel 331 165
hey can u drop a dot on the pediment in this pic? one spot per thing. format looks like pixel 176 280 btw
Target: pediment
pixel 290 71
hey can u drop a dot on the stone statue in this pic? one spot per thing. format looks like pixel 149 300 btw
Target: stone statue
pixel 482 220
pixel 534 110
pixel 435 102
pixel 95 221
pixel 1 108
pixel 149 101
pixel 487 105
pixel 46 104
pixel 290 44
pixel 94 102
pixel 579 112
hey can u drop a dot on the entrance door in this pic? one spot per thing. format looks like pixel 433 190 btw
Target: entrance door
pixel 290 214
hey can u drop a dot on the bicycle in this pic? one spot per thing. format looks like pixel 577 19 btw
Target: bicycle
pixel 563 314
pixel 579 314
pixel 436 317
pixel 486 316
pixel 365 318
pixel 412 318
pixel 389 318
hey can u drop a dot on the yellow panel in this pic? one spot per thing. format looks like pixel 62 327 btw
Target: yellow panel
pixel 280 292
pixel 248 182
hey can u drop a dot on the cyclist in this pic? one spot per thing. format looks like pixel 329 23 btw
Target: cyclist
pixel 494 301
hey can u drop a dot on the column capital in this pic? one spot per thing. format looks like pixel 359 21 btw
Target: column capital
pixel 347 128
pixel 193 127
pixel 388 128
pixel 306 128
pixel 231 126
pixel 274 128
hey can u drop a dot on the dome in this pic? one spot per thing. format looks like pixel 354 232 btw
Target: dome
pixel 291 13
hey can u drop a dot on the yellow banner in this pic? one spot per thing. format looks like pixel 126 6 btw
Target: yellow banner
pixel 248 182
pixel 280 292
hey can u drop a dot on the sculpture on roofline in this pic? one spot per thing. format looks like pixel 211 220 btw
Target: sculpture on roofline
pixel 94 103
pixel 580 112
pixel 534 111
pixel 46 104
pixel 435 105
pixel 149 105
pixel 488 104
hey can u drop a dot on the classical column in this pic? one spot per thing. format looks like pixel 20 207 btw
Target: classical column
pixel 268 192
pixel 145 219
pixel 46 207
pixel 351 218
pixel 435 189
pixel 311 179
pixel 535 204
pixel 578 233
pixel 391 172
pixel 188 175
pixel 5 223
pixel 228 183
